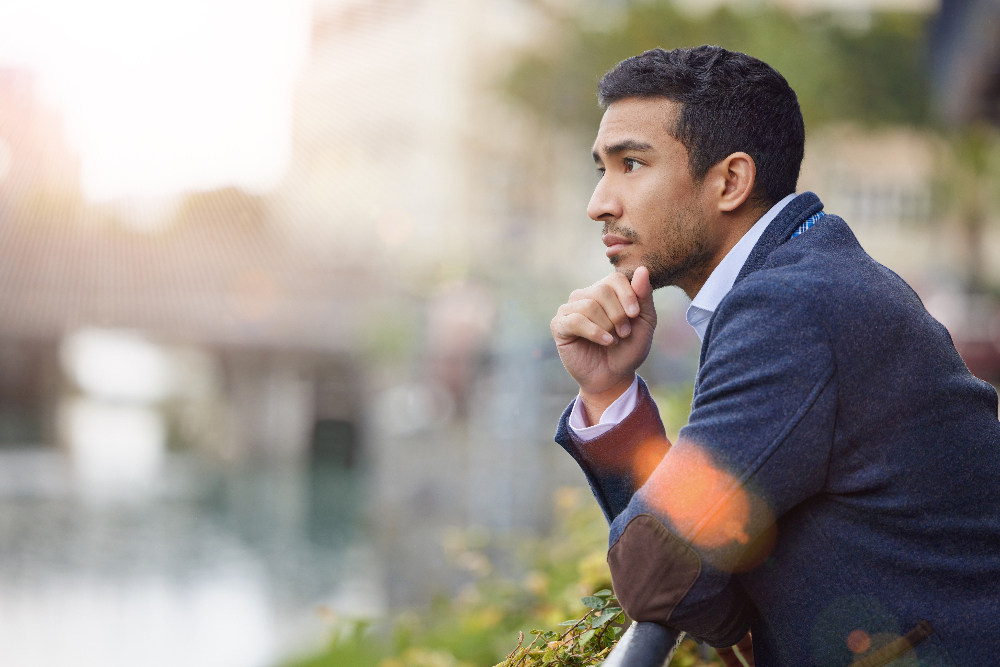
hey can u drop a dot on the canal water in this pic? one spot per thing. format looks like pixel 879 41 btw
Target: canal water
pixel 238 567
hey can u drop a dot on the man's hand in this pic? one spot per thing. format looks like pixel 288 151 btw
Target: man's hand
pixel 603 335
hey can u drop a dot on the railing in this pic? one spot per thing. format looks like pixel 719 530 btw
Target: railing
pixel 645 645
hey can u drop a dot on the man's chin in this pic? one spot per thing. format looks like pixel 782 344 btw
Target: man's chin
pixel 623 266
pixel 659 275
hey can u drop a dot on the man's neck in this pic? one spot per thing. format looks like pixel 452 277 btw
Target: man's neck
pixel 731 227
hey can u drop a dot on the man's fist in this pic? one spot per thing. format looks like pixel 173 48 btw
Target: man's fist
pixel 603 334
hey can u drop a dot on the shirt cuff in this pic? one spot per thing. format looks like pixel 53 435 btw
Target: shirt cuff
pixel 616 412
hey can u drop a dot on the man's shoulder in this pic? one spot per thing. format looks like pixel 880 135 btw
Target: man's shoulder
pixel 821 292
pixel 827 251
pixel 823 281
pixel 823 268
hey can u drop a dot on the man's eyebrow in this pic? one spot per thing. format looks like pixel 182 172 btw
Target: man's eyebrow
pixel 623 146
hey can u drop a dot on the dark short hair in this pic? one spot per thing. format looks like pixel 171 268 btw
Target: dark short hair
pixel 729 102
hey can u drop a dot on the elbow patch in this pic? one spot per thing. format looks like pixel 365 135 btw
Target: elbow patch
pixel 651 569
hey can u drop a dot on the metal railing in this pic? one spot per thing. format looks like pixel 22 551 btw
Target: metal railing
pixel 645 645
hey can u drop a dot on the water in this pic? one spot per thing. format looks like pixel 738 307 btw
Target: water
pixel 213 568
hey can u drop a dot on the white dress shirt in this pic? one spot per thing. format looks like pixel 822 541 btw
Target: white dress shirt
pixel 698 314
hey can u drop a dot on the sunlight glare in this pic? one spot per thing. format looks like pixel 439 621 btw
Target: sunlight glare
pixel 160 97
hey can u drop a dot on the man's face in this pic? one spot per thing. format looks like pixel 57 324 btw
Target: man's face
pixel 651 207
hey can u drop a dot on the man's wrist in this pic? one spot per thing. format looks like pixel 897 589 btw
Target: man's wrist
pixel 595 403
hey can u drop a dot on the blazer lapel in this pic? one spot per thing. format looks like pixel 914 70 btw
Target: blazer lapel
pixel 780 230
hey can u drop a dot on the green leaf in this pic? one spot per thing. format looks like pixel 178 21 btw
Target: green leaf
pixel 617 632
pixel 606 616
pixel 604 593
pixel 586 637
pixel 548 657
pixel 569 623
pixel 594 602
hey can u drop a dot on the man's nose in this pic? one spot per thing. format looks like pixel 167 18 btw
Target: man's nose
pixel 604 203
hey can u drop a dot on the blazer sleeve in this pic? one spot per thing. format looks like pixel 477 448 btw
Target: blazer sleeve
pixel 620 460
pixel 756 445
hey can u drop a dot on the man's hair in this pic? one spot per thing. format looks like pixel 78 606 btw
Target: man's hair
pixel 729 102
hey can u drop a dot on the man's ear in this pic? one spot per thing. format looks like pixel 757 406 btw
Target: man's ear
pixel 735 176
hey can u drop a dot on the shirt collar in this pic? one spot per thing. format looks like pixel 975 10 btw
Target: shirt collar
pixel 722 278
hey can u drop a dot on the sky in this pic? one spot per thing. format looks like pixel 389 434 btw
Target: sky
pixel 161 97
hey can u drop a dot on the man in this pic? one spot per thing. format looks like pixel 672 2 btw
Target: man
pixel 835 492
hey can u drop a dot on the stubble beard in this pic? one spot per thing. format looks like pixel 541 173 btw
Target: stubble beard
pixel 677 250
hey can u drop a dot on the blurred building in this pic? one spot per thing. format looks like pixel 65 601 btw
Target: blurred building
pixel 411 167
pixel 966 65
pixel 272 321
pixel 34 159
pixel 368 311
pixel 965 70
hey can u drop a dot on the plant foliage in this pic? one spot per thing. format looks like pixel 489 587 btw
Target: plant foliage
pixel 562 576
pixel 586 642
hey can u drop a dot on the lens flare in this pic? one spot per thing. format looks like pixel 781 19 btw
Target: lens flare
pixel 733 527
pixel 647 457
pixel 703 502
pixel 859 641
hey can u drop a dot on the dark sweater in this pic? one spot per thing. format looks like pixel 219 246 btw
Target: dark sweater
pixel 836 488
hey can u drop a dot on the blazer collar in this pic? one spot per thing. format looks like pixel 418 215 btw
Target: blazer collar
pixel 780 230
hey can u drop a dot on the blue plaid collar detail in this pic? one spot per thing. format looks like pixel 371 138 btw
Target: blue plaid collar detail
pixel 813 219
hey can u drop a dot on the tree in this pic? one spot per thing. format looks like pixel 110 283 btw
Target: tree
pixel 874 74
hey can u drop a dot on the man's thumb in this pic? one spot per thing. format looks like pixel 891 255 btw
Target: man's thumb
pixel 643 291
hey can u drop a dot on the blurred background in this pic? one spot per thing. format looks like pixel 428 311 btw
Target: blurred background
pixel 276 383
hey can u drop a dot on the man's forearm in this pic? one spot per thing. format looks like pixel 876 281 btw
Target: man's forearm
pixel 618 462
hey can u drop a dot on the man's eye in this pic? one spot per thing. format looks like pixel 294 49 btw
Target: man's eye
pixel 600 172
pixel 631 165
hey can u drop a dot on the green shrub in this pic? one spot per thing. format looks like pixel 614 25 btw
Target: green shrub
pixel 502 620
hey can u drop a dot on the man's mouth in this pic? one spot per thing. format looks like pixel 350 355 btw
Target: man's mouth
pixel 615 244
